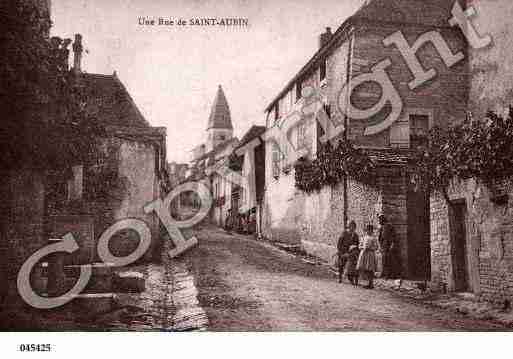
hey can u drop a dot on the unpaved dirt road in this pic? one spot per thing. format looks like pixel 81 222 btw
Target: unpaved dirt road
pixel 245 285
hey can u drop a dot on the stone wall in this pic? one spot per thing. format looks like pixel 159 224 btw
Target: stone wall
pixel 22 225
pixel 137 169
pixel 489 234
pixel 492 66
pixel 445 96
pixel 316 220
pixel 137 184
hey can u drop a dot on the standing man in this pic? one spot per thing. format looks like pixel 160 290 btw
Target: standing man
pixel 346 240
pixel 389 249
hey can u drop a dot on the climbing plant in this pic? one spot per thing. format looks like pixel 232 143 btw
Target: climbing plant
pixel 332 164
pixel 44 118
pixel 479 149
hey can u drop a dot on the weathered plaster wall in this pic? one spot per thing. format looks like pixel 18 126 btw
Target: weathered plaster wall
pixel 492 67
pixel 137 169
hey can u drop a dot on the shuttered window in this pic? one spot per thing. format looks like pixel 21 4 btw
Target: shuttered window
pixel 276 158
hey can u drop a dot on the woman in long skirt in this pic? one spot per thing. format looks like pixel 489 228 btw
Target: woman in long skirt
pixel 367 263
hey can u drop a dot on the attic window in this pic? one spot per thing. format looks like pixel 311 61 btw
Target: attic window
pixel 277 111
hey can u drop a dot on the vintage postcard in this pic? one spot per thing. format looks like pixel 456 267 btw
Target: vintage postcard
pixel 255 166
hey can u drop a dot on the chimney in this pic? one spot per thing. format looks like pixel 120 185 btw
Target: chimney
pixel 325 37
pixel 77 50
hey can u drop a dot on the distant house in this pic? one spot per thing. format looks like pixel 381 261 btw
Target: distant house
pixel 215 151
pixel 317 220
pixel 246 207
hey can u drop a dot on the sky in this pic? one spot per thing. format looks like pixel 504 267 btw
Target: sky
pixel 172 72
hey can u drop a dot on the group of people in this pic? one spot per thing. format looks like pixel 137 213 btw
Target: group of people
pixel 358 258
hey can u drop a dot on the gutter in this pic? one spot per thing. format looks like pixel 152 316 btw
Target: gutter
pixel 349 70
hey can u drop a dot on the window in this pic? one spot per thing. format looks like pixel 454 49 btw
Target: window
pixel 327 109
pixel 419 128
pixel 299 88
pixel 412 130
pixel 277 111
pixel 276 160
pixel 76 184
pixel 301 136
pixel 222 138
pixel 322 70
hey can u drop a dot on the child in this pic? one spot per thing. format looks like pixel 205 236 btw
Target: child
pixel 367 263
pixel 350 268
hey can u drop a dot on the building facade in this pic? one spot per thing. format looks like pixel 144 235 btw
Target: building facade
pixel 317 220
pixel 471 235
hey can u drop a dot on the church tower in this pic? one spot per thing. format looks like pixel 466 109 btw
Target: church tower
pixel 219 127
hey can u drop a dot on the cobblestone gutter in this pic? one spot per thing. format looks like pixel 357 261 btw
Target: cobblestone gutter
pixel 169 302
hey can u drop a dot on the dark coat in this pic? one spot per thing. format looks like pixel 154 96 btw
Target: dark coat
pixel 345 241
pixel 389 246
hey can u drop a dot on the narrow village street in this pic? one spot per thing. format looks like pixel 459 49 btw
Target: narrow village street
pixel 246 285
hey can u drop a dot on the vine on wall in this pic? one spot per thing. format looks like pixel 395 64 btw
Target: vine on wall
pixel 477 149
pixel 44 122
pixel 331 165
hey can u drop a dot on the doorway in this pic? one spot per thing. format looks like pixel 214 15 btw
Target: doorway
pixel 459 247
pixel 418 246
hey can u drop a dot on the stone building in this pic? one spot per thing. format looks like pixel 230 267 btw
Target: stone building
pixel 471 238
pixel 130 171
pixel 317 220
pixel 215 152
pixel 245 203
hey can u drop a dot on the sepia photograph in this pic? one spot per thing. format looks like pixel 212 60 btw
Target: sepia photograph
pixel 330 166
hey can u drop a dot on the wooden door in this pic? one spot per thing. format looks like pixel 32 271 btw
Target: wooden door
pixel 459 247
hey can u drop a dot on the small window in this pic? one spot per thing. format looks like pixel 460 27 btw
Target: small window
pixel 301 136
pixel 277 111
pixel 419 129
pixel 299 88
pixel 327 109
pixel 322 70
pixel 276 160
pixel 222 138
pixel 75 186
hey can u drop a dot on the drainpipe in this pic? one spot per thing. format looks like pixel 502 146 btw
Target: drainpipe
pixel 349 70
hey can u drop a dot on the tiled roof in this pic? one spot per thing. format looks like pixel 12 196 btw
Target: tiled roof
pixel 252 133
pixel 219 148
pixel 421 12
pixel 386 156
pixel 220 114
pixel 111 103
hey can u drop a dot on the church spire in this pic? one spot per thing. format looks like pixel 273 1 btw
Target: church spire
pixel 220 117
